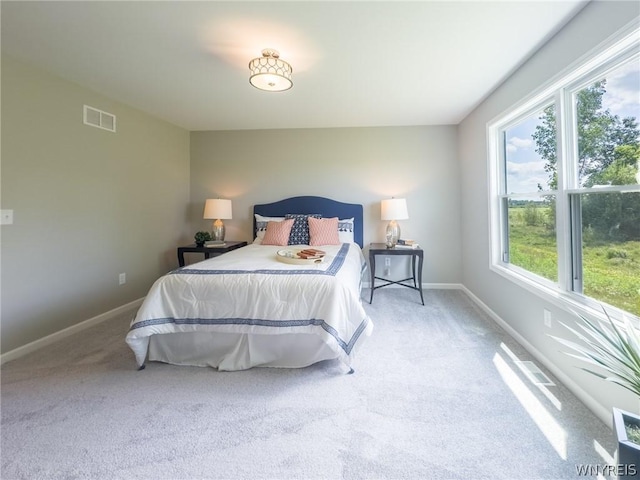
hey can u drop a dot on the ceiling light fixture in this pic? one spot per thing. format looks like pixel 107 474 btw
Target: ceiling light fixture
pixel 269 73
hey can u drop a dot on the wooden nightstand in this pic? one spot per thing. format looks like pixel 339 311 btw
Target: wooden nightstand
pixel 208 251
pixel 416 276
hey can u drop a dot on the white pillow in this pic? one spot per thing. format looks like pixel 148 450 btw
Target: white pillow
pixel 261 226
pixel 345 230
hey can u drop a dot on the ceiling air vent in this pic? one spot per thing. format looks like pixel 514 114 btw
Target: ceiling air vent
pixel 97 118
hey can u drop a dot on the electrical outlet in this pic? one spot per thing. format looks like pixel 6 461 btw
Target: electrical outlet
pixel 387 266
pixel 547 318
pixel 6 217
pixel 122 278
pixel 387 262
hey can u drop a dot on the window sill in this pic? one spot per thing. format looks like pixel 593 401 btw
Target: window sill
pixel 567 301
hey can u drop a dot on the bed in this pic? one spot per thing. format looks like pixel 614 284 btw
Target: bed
pixel 247 308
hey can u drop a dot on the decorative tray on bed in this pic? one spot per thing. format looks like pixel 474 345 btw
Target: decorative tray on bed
pixel 300 257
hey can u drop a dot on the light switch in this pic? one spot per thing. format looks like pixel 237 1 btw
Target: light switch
pixel 6 217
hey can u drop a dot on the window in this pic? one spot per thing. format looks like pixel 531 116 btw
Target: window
pixel 530 241
pixel 565 175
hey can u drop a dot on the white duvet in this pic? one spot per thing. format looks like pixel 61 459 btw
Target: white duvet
pixel 249 293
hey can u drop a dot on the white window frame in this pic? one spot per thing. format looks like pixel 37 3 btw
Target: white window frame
pixel 561 91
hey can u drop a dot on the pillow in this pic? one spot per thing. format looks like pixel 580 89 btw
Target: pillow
pixel 300 230
pixel 277 233
pixel 323 231
pixel 345 230
pixel 261 225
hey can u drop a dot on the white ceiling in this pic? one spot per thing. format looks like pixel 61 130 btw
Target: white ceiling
pixel 354 63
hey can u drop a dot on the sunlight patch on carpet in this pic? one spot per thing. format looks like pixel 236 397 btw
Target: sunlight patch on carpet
pixel 550 428
pixel 542 386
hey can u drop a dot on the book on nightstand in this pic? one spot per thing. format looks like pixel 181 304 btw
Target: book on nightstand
pixel 408 247
pixel 406 241
pixel 215 243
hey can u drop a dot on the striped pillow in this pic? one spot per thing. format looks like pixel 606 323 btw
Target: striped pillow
pixel 345 230
pixel 278 232
pixel 323 231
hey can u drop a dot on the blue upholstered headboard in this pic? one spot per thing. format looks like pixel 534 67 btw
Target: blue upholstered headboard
pixel 327 207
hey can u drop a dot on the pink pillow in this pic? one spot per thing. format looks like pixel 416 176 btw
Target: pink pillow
pixel 323 231
pixel 278 232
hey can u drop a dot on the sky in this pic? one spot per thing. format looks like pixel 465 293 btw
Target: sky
pixel 525 168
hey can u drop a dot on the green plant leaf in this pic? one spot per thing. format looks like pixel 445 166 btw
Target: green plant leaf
pixel 612 348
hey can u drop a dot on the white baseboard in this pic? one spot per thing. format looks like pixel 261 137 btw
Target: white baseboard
pixel 599 410
pixel 54 337
pixel 443 286
pixel 426 286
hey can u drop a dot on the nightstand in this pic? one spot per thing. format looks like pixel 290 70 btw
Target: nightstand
pixel 208 251
pixel 416 274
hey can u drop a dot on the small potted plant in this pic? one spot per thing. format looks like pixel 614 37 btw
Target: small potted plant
pixel 616 351
pixel 201 237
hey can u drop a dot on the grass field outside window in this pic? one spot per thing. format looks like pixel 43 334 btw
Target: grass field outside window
pixel 611 268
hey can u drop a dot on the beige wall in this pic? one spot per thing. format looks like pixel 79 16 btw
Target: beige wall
pixel 91 204
pixel 88 204
pixel 518 307
pixel 355 165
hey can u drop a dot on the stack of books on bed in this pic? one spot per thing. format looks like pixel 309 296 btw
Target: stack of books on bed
pixel 406 243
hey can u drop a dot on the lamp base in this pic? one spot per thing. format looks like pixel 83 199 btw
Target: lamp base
pixel 392 234
pixel 217 233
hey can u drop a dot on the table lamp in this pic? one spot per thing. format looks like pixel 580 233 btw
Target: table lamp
pixel 217 209
pixel 393 209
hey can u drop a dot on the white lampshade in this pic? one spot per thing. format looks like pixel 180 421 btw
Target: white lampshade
pixel 217 209
pixel 394 209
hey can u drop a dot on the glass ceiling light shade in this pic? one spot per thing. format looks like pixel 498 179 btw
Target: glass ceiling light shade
pixel 218 209
pixel 393 209
pixel 269 73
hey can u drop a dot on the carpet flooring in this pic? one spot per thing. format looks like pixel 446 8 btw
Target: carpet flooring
pixel 437 394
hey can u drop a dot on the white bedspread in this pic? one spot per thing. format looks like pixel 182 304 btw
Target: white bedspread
pixel 248 291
